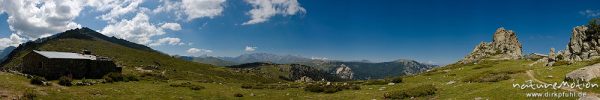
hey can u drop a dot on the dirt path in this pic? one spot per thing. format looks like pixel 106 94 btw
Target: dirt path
pixel 588 96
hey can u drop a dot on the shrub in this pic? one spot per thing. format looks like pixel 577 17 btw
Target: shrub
pixel 118 77
pixel 332 88
pixel 247 86
pixel 188 85
pixel 314 88
pixel 65 81
pixel 376 82
pixel 130 77
pixel 560 63
pixel 29 95
pixel 37 80
pixel 238 95
pixel 422 90
pixel 397 80
pixel 154 76
pixel 355 87
pixel 491 76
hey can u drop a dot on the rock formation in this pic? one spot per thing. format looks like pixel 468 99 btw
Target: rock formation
pixel 305 79
pixel 583 45
pixel 505 45
pixel 344 72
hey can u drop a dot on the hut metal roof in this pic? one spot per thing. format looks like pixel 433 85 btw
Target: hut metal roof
pixel 64 55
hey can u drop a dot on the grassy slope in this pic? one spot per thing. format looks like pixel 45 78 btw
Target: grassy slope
pixel 438 77
pixel 130 58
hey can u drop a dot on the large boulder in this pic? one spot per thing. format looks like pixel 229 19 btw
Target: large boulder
pixel 505 45
pixel 344 72
pixel 586 73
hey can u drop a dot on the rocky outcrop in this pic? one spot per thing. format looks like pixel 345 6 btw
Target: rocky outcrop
pixel 344 72
pixel 586 73
pixel 305 79
pixel 505 45
pixel 583 45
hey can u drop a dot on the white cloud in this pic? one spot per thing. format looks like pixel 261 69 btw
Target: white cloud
pixel 590 13
pixel 192 8
pixel 1 7
pixel 36 18
pixel 171 26
pixel 138 29
pixel 115 8
pixel 196 51
pixel 250 49
pixel 168 40
pixel 319 58
pixel 265 9
pixel 13 40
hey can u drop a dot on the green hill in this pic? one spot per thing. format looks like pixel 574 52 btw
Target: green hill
pixel 130 56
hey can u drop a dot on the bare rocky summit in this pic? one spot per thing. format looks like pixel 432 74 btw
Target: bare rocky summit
pixel 505 45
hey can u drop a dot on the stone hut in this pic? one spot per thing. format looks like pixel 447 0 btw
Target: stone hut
pixel 52 65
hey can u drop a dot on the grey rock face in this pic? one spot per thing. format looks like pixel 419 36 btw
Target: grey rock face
pixel 344 72
pixel 505 45
pixel 582 45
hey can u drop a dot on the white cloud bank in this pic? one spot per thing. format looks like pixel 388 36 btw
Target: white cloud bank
pixel 250 49
pixel 36 18
pixel 198 51
pixel 265 9
pixel 13 40
pixel 138 29
pixel 590 13
pixel 32 19
pixel 192 9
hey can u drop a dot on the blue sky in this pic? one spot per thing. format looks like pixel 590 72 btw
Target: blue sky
pixel 432 31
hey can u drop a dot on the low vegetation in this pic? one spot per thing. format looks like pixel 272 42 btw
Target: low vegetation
pixel 329 88
pixel 271 86
pixel 489 76
pixel 419 91
pixel 238 95
pixel 65 81
pixel 118 77
pixel 376 82
pixel 188 85
pixel 37 80
pixel 396 80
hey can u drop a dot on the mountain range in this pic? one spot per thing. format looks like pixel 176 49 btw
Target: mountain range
pixel 5 52
pixel 362 69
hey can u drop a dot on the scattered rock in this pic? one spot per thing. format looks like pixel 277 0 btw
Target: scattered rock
pixel 451 82
pixel 391 83
pixel 505 45
pixel 305 79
